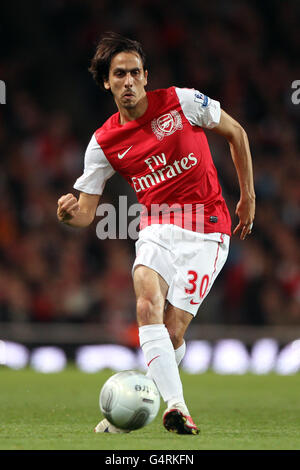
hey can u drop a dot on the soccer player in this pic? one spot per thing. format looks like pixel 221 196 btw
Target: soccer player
pixel 157 143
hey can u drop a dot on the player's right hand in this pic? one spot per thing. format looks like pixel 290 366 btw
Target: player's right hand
pixel 68 207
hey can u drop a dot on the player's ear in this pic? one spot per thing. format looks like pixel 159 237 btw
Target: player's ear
pixel 146 77
pixel 106 85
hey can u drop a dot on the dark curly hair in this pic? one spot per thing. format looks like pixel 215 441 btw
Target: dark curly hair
pixel 110 45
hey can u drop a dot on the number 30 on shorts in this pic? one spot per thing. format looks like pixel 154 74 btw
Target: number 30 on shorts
pixel 193 282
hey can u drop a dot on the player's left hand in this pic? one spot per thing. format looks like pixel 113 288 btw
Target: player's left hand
pixel 245 210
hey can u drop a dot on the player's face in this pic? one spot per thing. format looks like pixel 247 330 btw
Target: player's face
pixel 127 79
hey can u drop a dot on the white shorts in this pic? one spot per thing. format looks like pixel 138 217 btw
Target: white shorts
pixel 188 261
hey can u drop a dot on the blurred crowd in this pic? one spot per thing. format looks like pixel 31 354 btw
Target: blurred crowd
pixel 244 54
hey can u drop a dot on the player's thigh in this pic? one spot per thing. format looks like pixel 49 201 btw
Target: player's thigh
pixel 150 290
pixel 177 322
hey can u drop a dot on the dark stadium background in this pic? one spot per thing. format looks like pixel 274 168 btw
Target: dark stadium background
pixel 65 286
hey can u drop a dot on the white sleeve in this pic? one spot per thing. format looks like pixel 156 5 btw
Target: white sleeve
pixel 97 170
pixel 198 108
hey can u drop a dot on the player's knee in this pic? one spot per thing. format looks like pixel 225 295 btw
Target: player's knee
pixel 149 311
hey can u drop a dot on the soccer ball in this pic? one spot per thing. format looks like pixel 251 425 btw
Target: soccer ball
pixel 129 400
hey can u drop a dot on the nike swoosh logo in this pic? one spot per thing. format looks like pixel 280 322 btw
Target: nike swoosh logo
pixel 152 360
pixel 194 303
pixel 121 155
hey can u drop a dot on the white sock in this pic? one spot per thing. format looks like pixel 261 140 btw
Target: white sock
pixel 160 357
pixel 180 352
pixel 179 355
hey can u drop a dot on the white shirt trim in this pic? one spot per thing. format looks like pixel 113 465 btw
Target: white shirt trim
pixel 97 170
pixel 199 109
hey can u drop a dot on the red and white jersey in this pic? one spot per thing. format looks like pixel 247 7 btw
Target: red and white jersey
pixel 165 157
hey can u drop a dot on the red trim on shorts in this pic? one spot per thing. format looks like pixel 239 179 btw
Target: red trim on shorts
pixel 215 265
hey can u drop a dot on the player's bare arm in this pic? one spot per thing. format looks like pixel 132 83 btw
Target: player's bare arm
pixel 241 156
pixel 77 213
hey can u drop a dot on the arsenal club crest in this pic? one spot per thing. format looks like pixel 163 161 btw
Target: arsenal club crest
pixel 167 124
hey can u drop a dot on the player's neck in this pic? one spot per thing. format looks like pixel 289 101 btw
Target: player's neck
pixel 130 114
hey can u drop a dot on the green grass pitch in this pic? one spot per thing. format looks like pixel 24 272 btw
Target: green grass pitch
pixel 59 412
